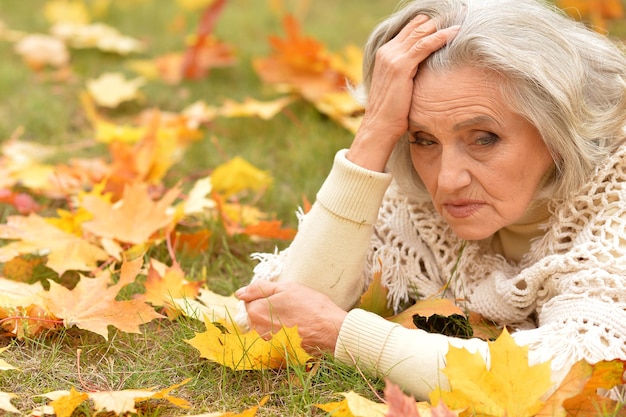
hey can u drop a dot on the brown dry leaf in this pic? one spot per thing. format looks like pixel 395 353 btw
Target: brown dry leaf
pixel 134 219
pixel 508 387
pixel 34 235
pixel 226 345
pixel 426 308
pixel 92 304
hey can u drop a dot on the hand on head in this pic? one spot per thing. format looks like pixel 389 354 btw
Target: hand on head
pixel 272 305
pixel 389 101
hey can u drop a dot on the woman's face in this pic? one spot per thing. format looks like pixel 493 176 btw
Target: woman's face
pixel 480 162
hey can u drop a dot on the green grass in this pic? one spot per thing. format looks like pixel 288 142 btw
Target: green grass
pixel 296 147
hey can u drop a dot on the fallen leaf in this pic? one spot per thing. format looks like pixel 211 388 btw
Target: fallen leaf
pixel 41 50
pixel 401 405
pixel 134 219
pixel 210 305
pixel 112 88
pixel 92 304
pixel 164 284
pixel 226 345
pixel 34 235
pixel 97 36
pixel 251 107
pixel 238 175
pixel 270 230
pixel 426 308
pixel 4 366
pixel 72 11
pixel 64 406
pixel 508 387
pixel 374 299
pixel 5 402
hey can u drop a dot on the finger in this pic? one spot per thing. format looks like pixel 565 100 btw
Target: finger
pixel 258 289
pixel 414 23
pixel 434 41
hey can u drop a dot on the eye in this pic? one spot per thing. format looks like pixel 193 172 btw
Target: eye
pixel 419 139
pixel 486 139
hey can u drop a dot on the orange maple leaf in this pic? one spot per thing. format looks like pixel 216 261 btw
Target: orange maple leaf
pixel 163 284
pixel 300 62
pixel 92 304
pixel 270 230
pixel 133 219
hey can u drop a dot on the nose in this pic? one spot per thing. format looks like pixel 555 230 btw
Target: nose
pixel 454 172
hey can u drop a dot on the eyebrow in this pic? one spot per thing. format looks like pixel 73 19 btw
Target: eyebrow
pixel 478 120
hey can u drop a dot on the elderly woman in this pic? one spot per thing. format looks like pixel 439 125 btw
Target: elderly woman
pixel 490 168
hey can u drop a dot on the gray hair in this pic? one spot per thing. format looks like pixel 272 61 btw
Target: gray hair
pixel 565 79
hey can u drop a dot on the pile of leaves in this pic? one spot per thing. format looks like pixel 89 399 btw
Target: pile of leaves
pixel 83 240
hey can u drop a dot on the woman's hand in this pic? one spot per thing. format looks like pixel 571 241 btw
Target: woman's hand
pixel 272 305
pixel 387 110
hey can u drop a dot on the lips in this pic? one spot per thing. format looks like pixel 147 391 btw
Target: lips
pixel 460 209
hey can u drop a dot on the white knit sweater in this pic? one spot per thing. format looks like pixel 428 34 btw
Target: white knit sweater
pixel 566 296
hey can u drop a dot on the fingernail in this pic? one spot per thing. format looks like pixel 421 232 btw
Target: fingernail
pixel 240 291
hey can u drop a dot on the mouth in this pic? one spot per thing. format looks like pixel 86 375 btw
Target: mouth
pixel 460 209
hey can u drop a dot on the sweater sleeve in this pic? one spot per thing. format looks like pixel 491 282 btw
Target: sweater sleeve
pixel 410 358
pixel 329 249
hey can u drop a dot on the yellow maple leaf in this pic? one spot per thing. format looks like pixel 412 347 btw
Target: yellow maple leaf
pixel 65 405
pixel 226 345
pixel 210 305
pixel 41 50
pixel 133 219
pixel 508 387
pixel 73 11
pixel 96 35
pixel 70 221
pixel 92 304
pixel 238 175
pixel 34 235
pixel 354 405
pixel 112 88
pixel 4 366
pixel 252 107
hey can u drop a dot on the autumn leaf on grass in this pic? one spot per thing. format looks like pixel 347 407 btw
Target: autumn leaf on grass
pixel 374 299
pixel 354 405
pixel 401 405
pixel 73 11
pixel 118 402
pixel 508 387
pixel 96 35
pixel 133 219
pixel 300 62
pixel 250 412
pixel 34 235
pixel 435 315
pixel 112 89
pixel 41 50
pixel 238 175
pixel 251 107
pixel 164 284
pixel 5 402
pixel 225 344
pixel 209 305
pixel 269 230
pixel 92 304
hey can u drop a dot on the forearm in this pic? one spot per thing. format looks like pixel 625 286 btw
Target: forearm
pixel 329 250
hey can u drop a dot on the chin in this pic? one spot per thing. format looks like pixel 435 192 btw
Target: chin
pixel 472 233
